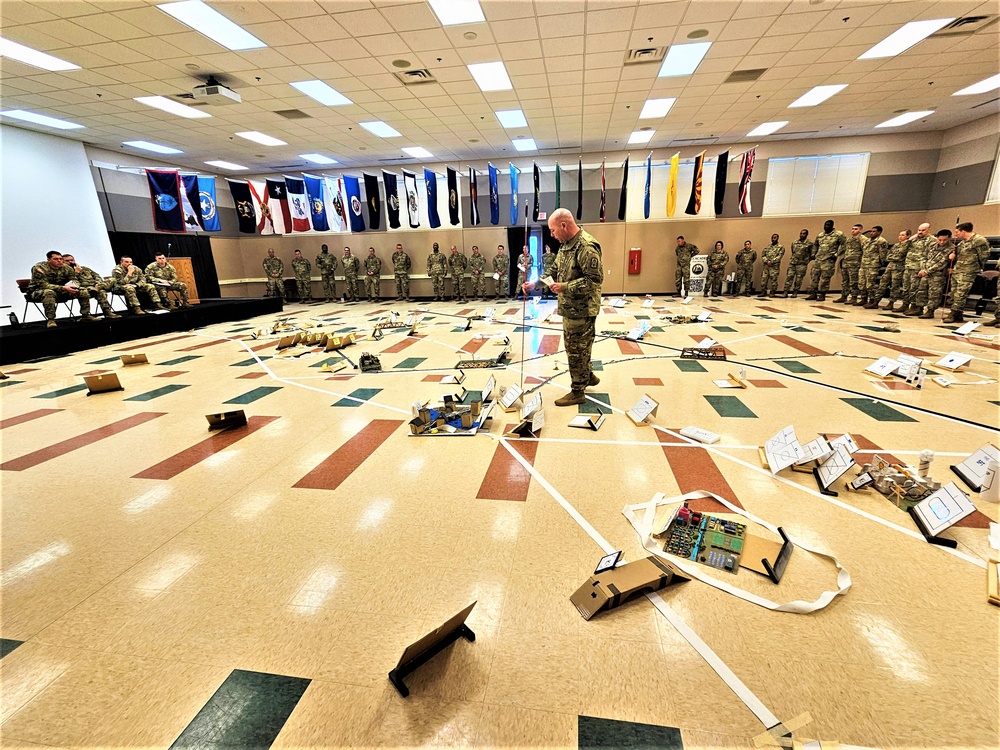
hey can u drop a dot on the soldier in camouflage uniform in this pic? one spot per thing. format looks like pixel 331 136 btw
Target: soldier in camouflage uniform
pixel 548 269
pixel 850 265
pixel 457 264
pixel 501 269
pixel 351 268
pixel 274 271
pixel 52 282
pixel 326 264
pixel 477 266
pixel 933 275
pixel 401 273
pixel 126 279
pixel 717 261
pixel 94 284
pixel 373 275
pixel 160 269
pixel 771 259
pixel 682 276
pixel 892 277
pixel 745 259
pixel 302 270
pixel 437 269
pixel 872 258
pixel 828 247
pixel 524 265
pixel 918 245
pixel 579 276
pixel 969 260
pixel 802 252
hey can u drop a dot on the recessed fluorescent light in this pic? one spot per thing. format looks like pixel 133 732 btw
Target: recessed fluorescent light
pixel 491 76
pixel 904 38
pixel 767 128
pixel 905 118
pixel 262 138
pixel 226 165
pixel 322 93
pixel 641 136
pixel 418 152
pixel 817 95
pixel 169 105
pixel 683 59
pixel 980 88
pixel 212 24
pixel 525 144
pixel 49 122
pixel 454 12
pixel 656 108
pixel 154 147
pixel 33 57
pixel 380 129
pixel 318 158
pixel 511 118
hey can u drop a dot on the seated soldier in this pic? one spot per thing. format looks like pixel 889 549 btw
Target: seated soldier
pixel 127 278
pixel 88 279
pixel 163 276
pixel 53 282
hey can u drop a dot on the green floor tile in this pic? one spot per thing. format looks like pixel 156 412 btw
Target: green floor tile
pixel 800 329
pixel 7 645
pixel 5 383
pixel 878 410
pixel 765 317
pixel 730 406
pixel 724 329
pixel 254 395
pixel 361 393
pixel 641 317
pixel 328 361
pixel 689 365
pixel 157 392
pixel 589 407
pixel 179 360
pixel 827 315
pixel 104 361
pixel 794 366
pixel 656 329
pixel 346 330
pixel 627 735
pixel 472 396
pixel 596 366
pixel 409 363
pixel 64 391
pixel 249 362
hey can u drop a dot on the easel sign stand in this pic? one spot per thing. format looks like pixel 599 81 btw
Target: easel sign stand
pixel 104 383
pixel 642 410
pixel 940 511
pixel 422 651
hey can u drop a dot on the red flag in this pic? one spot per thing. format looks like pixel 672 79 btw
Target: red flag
pixel 265 224
pixel 278 199
pixel 746 170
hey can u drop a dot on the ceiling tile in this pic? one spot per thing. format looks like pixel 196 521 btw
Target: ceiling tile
pixel 363 22
pixel 319 28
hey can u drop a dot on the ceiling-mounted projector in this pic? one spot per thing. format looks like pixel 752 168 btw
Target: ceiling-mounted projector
pixel 213 92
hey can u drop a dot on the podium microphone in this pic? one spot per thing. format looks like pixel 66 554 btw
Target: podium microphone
pixel 168 249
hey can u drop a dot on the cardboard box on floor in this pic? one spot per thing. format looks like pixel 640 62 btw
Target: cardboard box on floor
pixel 613 587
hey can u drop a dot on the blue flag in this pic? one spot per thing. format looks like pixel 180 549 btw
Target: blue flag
pixel 354 204
pixel 513 194
pixel 165 196
pixel 430 180
pixel 209 211
pixel 317 206
pixel 494 197
pixel 190 203
pixel 649 175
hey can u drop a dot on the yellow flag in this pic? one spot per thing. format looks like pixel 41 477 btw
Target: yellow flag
pixel 675 165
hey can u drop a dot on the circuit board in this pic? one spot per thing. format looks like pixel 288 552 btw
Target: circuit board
pixel 709 540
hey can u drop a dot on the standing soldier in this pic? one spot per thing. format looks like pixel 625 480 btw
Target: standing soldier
pixel 802 253
pixel 682 277
pixel 302 269
pixel 326 264
pixel 501 269
pixel 717 261
pixel 933 275
pixel 94 285
pixel 126 278
pixel 771 258
pixel 524 265
pixel 892 277
pixel 373 275
pixel 969 260
pixel 548 269
pixel 850 265
pixel 351 267
pixel 274 270
pixel 401 273
pixel 918 246
pixel 477 265
pixel 168 281
pixel 828 247
pixel 437 268
pixel 872 258
pixel 745 259
pixel 52 282
pixel 457 264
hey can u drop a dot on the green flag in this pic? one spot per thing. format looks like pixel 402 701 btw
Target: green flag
pixel 558 187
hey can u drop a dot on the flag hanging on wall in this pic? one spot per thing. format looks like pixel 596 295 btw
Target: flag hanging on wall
pixel 558 186
pixel 430 183
pixel 623 197
pixel 579 190
pixel 354 203
pixel 645 195
pixel 209 209
pixel 746 171
pixel 374 200
pixel 675 166
pixel 281 215
pixel 391 198
pixel 721 167
pixel 262 204
pixel 165 198
pixel 453 216
pixel 474 196
pixel 191 203
pixel 298 203
pixel 694 201
pixel 494 196
pixel 514 172
pixel 244 206
pixel 335 203
pixel 412 202
pixel 536 182
pixel 317 206
pixel 604 193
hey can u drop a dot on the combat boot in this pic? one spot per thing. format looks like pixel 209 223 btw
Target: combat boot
pixel 570 399
pixel 841 298
pixel 888 305
pixel 912 310
pixel 52 324
pixel 954 316
pixel 872 305
pixel 793 295
pixel 821 298
pixel 138 311
pixel 812 295
pixel 901 308
pixel 995 323
pixel 860 301
pixel 780 295
pixel 594 380
pixel 927 314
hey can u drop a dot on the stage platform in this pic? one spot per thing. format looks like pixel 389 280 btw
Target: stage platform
pixel 32 341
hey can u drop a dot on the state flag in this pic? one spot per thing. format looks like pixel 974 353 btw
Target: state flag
pixel 277 198
pixel 430 184
pixel 494 196
pixel 675 167
pixel 649 179
pixel 579 190
pixel 453 216
pixel 391 198
pixel 474 196
pixel 721 168
pixel 514 172
pixel 412 201
pixel 243 201
pixel 206 201
pixel 191 203
pixel 354 203
pixel 165 199
pixel 604 193
pixel 694 201
pixel 337 203
pixel 373 198
pixel 746 172
pixel 558 186
pixel 317 206
pixel 298 202
pixel 623 197
pixel 261 199
pixel 536 180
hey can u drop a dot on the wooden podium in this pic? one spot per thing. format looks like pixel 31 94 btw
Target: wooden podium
pixel 185 274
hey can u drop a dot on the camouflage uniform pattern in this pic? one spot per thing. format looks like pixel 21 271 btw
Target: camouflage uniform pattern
pixel 682 276
pixel 326 264
pixel 872 257
pixel 477 265
pixel 802 253
pixel 524 265
pixel 581 274
pixel 457 264
pixel 351 267
pixel 828 247
pixel 95 285
pixel 302 269
pixel 892 277
pixel 274 270
pixel 167 273
pixel 501 267
pixel 437 269
pixel 744 271
pixel 548 269
pixel 401 274
pixel 850 266
pixel 373 274
pixel 717 262
pixel 915 257
pixel 930 288
pixel 771 258
pixel 122 283
pixel 46 286
pixel 970 259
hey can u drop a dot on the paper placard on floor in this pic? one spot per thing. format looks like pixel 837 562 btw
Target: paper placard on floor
pixel 226 419
pixel 943 509
pixel 648 302
pixel 967 328
pixel 103 383
pixel 454 379
pixel 815 450
pixel 835 466
pixel 134 359
pixel 489 314
pixel 699 434
pixel 706 343
pixel 510 397
pixel 954 360
pixel 617 302
pixel 973 469
pixel 782 450
pixel 533 405
pixel 529 427
pixel 847 441
pixel 488 389
pixel 588 421
pixel 639 331
pixel 909 366
pixel 642 410
pixel 704 316
pixel 727 384
pixel 883 367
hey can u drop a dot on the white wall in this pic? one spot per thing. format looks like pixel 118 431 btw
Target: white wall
pixel 47 202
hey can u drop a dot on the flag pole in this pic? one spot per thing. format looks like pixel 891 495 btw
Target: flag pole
pixel 524 294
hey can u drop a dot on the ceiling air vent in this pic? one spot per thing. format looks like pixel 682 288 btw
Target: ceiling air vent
pixel 745 76
pixel 414 77
pixel 965 26
pixel 293 114
pixel 645 55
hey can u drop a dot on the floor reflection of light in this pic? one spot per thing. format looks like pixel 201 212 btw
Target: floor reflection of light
pixel 374 514
pixel 317 588
pixel 351 427
pixel 168 572
pixel 892 649
pixel 253 507
pixel 221 458
pixel 149 499
pixel 507 524
pixel 413 465
pixel 35 561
